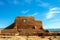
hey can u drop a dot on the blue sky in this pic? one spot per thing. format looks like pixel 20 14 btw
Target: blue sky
pixel 48 11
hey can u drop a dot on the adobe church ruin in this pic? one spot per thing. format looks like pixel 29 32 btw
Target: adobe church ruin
pixel 25 25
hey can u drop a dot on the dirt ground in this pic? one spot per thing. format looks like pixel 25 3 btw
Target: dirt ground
pixel 29 37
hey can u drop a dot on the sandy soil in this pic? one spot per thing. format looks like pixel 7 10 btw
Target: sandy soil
pixel 29 38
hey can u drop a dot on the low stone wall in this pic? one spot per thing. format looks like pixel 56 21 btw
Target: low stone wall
pixel 27 32
pixel 22 32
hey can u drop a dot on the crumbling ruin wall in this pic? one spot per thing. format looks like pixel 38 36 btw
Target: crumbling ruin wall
pixel 38 25
pixel 25 26
pixel 24 22
pixel 0 31
pixel 29 23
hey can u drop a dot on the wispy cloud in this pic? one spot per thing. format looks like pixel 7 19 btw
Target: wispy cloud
pixel 42 4
pixel 34 14
pixel 55 20
pixel 52 11
pixel 25 11
pixel 16 2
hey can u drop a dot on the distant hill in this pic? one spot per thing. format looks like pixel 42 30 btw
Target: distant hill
pixel 1 28
pixel 54 30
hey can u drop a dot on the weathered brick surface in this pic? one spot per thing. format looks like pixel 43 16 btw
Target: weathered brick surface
pixel 30 22
pixel 38 25
pixel 21 24
pixel 24 26
pixel 0 31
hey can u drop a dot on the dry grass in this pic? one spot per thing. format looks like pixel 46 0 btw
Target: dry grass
pixel 29 38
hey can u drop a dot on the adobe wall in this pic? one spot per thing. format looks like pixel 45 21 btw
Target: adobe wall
pixel 30 23
pixel 21 24
pixel 23 32
pixel 0 31
pixel 38 24
pixel 28 26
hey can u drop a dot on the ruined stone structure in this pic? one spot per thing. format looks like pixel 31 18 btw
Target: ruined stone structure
pixel 25 25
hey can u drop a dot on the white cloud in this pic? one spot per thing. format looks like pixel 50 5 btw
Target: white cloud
pixel 55 20
pixel 34 14
pixel 52 11
pixel 25 11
